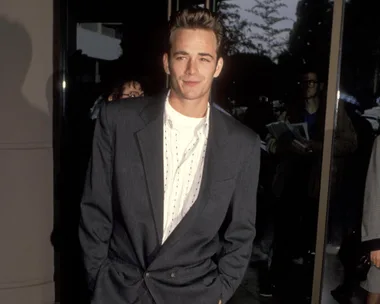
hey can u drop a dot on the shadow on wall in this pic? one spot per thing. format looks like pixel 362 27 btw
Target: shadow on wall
pixel 22 125
pixel 20 121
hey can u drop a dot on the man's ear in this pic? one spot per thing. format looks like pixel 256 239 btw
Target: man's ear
pixel 219 67
pixel 165 60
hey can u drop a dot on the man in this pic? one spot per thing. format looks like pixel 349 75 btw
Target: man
pixel 169 206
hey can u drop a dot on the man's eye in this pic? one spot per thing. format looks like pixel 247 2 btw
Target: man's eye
pixel 205 60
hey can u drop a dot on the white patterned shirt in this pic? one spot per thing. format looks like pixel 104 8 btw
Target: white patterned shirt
pixel 185 142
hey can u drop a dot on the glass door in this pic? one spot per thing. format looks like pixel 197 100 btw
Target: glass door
pixel 355 128
pixel 275 80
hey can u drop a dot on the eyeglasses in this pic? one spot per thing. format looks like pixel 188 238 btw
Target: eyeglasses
pixel 132 94
pixel 309 83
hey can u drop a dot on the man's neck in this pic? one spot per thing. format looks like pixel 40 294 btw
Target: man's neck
pixel 191 108
pixel 312 105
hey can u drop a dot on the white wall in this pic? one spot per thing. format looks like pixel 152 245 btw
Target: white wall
pixel 26 169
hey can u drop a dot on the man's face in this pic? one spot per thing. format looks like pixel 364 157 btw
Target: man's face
pixel 192 63
pixel 310 85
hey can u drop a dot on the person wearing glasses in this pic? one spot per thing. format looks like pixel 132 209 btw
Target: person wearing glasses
pixel 126 89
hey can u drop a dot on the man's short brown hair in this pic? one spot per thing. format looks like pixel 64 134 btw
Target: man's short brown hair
pixel 197 18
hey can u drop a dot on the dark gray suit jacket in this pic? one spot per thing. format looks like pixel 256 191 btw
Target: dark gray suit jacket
pixel 121 227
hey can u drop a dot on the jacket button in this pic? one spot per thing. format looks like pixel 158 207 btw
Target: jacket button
pixel 147 274
pixel 172 275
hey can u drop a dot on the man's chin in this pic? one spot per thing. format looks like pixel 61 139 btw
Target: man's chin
pixel 191 97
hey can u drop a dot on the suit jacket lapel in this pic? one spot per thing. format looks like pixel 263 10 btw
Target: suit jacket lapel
pixel 150 140
pixel 218 134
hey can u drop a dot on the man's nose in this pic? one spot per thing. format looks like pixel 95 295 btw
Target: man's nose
pixel 191 67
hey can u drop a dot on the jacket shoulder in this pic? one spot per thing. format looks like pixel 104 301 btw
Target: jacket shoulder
pixel 128 106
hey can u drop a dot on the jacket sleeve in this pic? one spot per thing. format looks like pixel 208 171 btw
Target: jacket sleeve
pixel 371 207
pixel 240 230
pixel 95 225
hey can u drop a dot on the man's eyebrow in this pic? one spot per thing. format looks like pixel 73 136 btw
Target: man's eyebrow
pixel 200 54
pixel 181 53
pixel 206 55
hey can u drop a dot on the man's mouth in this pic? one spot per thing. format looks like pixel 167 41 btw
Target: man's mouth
pixel 191 83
